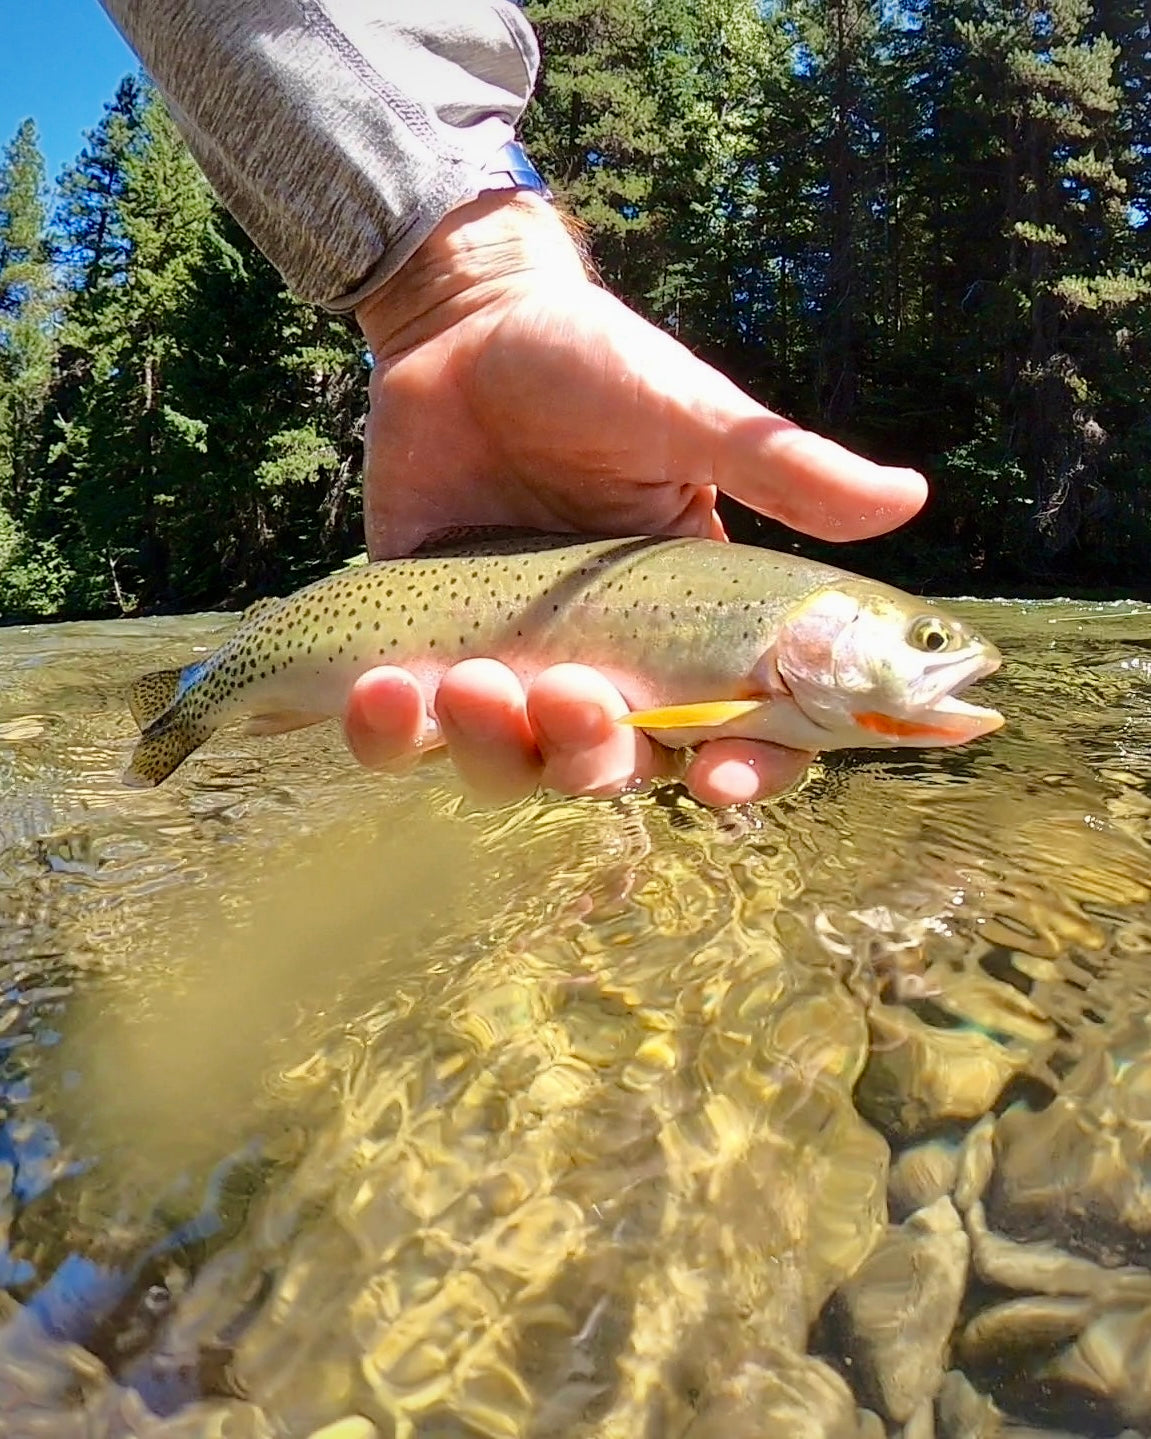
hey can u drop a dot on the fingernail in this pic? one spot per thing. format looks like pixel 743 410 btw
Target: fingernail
pixel 574 725
pixel 741 779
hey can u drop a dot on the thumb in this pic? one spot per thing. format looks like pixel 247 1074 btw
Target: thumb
pixel 813 484
pixel 716 433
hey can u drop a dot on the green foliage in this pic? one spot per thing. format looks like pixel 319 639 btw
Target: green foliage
pixel 923 229
pixel 28 305
pixel 203 427
pixel 34 578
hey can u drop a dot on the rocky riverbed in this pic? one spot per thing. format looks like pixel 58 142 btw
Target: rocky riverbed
pixel 334 1109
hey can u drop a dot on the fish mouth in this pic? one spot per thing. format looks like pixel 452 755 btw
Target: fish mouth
pixel 940 717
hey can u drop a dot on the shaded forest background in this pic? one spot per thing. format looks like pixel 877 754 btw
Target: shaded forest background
pixel 923 229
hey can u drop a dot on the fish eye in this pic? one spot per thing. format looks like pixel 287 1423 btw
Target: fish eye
pixel 930 634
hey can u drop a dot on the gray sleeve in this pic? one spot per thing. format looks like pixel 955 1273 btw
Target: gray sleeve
pixel 338 132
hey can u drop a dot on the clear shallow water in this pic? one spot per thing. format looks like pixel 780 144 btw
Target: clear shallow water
pixel 327 1101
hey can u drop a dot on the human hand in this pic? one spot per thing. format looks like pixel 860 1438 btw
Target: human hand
pixel 509 389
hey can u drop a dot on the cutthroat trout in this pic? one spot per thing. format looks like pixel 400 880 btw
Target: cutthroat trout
pixel 703 639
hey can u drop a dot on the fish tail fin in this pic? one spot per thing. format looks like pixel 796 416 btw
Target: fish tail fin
pixel 153 693
pixel 165 745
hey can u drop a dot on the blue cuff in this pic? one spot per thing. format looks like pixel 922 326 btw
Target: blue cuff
pixel 510 169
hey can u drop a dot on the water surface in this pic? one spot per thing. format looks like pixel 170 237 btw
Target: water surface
pixel 329 1101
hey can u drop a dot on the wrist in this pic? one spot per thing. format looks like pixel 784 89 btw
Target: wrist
pixel 499 242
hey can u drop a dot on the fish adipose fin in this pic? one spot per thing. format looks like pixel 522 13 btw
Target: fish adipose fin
pixel 711 714
pixel 165 745
pixel 152 694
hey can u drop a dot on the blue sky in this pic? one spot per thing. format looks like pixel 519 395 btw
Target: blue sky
pixel 60 62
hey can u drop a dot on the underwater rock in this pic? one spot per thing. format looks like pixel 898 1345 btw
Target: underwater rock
pixel 1041 1268
pixel 1078 1170
pixel 920 1176
pixel 919 1077
pixel 354 1426
pixel 961 1412
pixel 212 1419
pixel 921 1425
pixel 787 1394
pixel 899 1308
pixel 1111 1360
pixel 1009 1335
pixel 871 1426
pixel 976 1163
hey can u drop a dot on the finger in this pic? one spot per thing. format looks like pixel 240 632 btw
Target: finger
pixel 482 711
pixel 709 427
pixel 573 711
pixel 385 719
pixel 738 771
pixel 813 484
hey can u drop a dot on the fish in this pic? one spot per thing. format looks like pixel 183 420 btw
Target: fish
pixel 704 639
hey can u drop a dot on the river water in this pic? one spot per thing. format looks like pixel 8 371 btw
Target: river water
pixel 332 1104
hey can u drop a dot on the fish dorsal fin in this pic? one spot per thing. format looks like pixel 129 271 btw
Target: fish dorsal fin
pixel 259 607
pixel 152 694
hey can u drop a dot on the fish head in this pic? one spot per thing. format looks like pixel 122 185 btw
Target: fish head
pixel 869 666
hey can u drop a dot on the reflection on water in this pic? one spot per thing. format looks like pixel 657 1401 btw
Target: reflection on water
pixel 332 1106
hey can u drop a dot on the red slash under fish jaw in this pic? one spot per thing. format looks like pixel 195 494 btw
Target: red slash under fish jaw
pixel 892 728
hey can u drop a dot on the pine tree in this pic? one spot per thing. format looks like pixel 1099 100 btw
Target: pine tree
pixel 138 232
pixel 1049 95
pixel 28 339
pixel 28 306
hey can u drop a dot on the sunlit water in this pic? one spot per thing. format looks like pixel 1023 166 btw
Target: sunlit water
pixel 329 1102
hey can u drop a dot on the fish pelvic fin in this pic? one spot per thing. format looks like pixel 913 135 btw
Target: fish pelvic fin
pixel 165 745
pixel 283 721
pixel 153 693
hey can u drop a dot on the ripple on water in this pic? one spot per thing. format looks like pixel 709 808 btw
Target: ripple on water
pixel 331 1105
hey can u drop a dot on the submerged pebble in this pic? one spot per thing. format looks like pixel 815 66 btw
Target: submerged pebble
pixel 1079 1169
pixel 786 1394
pixel 899 1308
pixel 920 1176
pixel 1111 1360
pixel 919 1077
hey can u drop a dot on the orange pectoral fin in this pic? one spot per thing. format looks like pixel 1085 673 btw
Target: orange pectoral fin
pixel 893 728
pixel 709 715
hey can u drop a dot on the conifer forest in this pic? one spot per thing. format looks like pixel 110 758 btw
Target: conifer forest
pixel 923 229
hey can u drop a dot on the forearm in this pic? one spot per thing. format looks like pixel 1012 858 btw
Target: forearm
pixel 341 133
